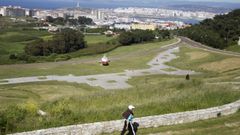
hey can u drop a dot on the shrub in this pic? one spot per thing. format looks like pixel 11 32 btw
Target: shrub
pixel 13 115
pixel 30 107
pixel 137 36
pixel 23 57
pixel 13 56
pixel 3 123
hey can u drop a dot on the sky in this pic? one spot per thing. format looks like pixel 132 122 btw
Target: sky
pixel 144 1
pixel 49 4
pixel 147 1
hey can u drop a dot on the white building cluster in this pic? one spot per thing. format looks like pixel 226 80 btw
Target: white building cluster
pixel 16 11
pixel 12 11
pixel 74 13
pixel 162 25
pixel 157 12
pixel 118 18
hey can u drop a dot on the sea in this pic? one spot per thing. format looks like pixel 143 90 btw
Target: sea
pixel 54 4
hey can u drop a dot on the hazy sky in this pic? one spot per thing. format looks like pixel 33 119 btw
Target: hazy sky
pixel 147 1
pixel 175 0
pixel 233 4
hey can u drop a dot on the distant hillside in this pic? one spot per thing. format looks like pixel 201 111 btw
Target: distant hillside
pixel 220 32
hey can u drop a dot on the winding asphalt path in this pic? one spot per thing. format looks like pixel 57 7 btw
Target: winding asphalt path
pixel 117 80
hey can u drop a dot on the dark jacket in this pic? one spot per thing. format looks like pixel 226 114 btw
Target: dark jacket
pixel 126 114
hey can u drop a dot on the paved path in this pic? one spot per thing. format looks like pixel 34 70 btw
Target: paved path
pixel 116 80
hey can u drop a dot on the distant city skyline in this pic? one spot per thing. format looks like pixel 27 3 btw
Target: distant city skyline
pixel 53 4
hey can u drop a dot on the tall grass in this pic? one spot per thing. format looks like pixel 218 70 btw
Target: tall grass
pixel 152 95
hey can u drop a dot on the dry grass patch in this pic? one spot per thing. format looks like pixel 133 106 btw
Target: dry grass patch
pixel 195 55
pixel 223 65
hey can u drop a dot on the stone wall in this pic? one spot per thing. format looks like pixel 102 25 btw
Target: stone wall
pixel 145 122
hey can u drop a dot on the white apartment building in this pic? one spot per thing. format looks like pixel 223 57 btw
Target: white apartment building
pixel 12 11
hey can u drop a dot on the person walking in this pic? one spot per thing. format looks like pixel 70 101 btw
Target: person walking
pixel 128 116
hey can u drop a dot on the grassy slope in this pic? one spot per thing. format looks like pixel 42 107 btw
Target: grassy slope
pixel 89 64
pixel 14 41
pixel 152 95
pixel 204 61
pixel 88 104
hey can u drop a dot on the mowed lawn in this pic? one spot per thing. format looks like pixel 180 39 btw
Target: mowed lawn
pixel 13 42
pixel 120 58
pixel 93 39
pixel 90 39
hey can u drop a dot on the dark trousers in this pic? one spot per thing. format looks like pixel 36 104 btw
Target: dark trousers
pixel 129 129
pixel 124 130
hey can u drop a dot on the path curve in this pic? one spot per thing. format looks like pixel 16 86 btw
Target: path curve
pixel 116 80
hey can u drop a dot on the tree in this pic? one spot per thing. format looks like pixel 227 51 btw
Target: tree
pixel 220 32
pixel 125 38
pixel 85 21
pixel 49 19
pixel 35 48
pixel 136 36
pixel 59 21
pixel 67 41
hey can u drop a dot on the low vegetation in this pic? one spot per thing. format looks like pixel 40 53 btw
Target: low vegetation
pixel 70 103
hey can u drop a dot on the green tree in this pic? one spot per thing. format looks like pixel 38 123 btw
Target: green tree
pixel 85 21
pixel 220 32
pixel 64 42
pixel 125 38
